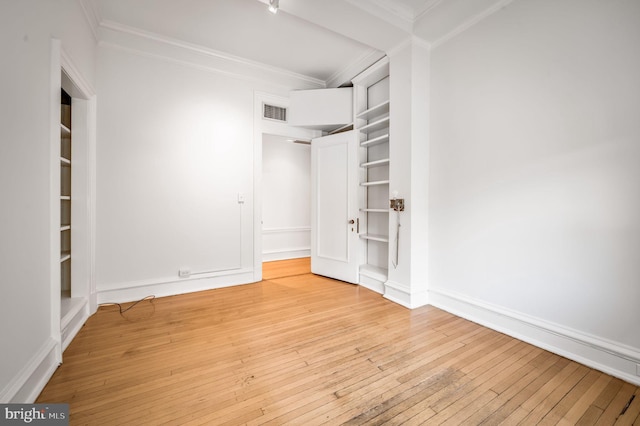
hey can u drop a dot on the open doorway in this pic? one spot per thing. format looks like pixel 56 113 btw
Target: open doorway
pixel 287 215
pixel 72 214
pixel 286 195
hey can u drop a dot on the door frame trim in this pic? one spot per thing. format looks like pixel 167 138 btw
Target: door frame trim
pixel 263 126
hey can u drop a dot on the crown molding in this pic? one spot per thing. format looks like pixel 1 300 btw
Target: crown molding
pixel 412 40
pixel 394 13
pixel 92 16
pixel 354 68
pixel 396 8
pixel 426 9
pixel 207 52
pixel 470 23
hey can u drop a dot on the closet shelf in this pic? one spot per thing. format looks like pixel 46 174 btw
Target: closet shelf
pixel 376 125
pixel 65 197
pixel 375 111
pixel 382 162
pixel 375 272
pixel 375 183
pixel 375 141
pixel 64 256
pixel 65 228
pixel 374 237
pixel 65 162
pixel 69 308
pixel 366 210
pixel 64 131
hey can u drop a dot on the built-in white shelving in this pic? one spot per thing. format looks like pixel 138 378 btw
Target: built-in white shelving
pixel 374 272
pixel 73 284
pixel 374 237
pixel 375 141
pixel 376 125
pixel 375 183
pixel 375 111
pixel 367 210
pixel 376 163
pixel 372 118
pixel 65 198
pixel 64 130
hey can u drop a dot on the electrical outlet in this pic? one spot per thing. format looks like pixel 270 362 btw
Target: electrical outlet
pixel 184 272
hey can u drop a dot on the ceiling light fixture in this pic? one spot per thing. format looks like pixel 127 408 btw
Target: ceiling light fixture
pixel 274 5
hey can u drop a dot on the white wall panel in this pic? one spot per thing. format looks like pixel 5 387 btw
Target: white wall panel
pixel 535 184
pixel 26 32
pixel 174 153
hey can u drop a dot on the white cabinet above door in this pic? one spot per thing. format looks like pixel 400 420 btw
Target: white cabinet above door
pixel 321 109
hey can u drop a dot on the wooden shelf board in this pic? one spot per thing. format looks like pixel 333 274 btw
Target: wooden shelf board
pixel 374 237
pixel 375 183
pixel 375 272
pixel 69 307
pixel 64 130
pixel 375 141
pixel 374 111
pixel 382 162
pixel 365 210
pixel 376 125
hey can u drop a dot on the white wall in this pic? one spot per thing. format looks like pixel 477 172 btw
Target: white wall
pixel 26 30
pixel 175 151
pixel 534 172
pixel 408 173
pixel 286 192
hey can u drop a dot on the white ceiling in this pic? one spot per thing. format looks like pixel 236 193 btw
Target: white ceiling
pixel 314 38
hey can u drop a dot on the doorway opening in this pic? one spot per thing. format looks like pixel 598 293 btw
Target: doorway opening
pixel 286 195
pixel 72 207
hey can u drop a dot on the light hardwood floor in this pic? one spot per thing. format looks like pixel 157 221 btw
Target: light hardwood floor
pixel 305 350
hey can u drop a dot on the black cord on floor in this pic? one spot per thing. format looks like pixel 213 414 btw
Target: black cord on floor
pixel 122 311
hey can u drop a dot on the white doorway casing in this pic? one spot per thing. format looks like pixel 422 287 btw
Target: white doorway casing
pixel 271 127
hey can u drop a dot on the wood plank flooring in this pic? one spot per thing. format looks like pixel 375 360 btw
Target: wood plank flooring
pixel 301 349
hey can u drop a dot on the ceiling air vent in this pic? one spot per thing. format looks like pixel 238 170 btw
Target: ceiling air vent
pixel 273 112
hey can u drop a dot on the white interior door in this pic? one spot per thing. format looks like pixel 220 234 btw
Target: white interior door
pixel 334 206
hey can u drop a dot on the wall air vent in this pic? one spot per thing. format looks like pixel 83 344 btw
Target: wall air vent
pixel 272 112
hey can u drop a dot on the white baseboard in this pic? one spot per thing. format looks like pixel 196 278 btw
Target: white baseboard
pixel 403 296
pixel 129 292
pixel 74 324
pixel 609 357
pixel 29 382
pixel 372 284
pixel 270 256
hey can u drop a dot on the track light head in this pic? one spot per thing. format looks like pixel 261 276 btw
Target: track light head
pixel 274 5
